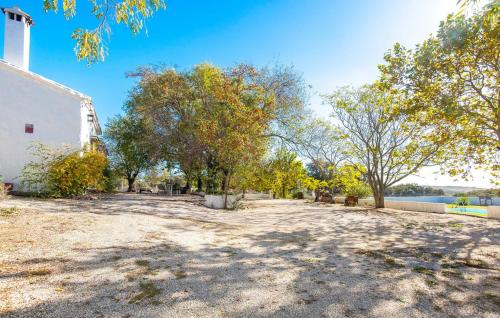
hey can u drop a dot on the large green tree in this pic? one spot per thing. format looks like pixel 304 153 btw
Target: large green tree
pixel 284 172
pixel 451 84
pixel 321 143
pixel 385 147
pixel 212 121
pixel 232 121
pixel 130 146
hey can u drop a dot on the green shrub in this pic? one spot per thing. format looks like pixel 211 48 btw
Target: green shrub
pixel 74 174
pixel 63 173
pixel 34 174
pixel 358 189
pixel 298 195
pixel 462 201
pixel 111 180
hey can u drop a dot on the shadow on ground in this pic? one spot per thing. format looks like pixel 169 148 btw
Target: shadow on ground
pixel 303 261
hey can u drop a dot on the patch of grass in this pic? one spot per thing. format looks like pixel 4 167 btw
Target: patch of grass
pixel 388 260
pixel 452 273
pixel 148 290
pixel 494 298
pixel 424 256
pixel 9 211
pixel 391 261
pixel 423 270
pixel 449 265
pixel 476 263
pixel 431 283
pixel 132 276
pixel 369 253
pixel 141 262
pixel 452 205
pixel 230 253
pixel 115 258
pixel 410 226
pixel 437 255
pixel 39 272
pixel 456 225
pixel 144 270
pixel 307 301
pixel 180 274
pixel 437 307
pixel 312 260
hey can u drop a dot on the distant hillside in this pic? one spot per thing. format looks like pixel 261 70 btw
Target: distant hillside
pixel 413 189
pixel 450 190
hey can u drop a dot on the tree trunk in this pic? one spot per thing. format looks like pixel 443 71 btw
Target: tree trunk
pixel 226 186
pixel 378 195
pixel 379 201
pixel 211 175
pixel 130 181
pixel 210 185
pixel 316 195
pixel 199 185
pixel 223 185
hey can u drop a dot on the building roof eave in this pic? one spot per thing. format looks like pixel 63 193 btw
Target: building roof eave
pixel 85 98
pixel 45 80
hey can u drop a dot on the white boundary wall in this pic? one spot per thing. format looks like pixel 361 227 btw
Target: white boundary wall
pixel 217 201
pixel 258 196
pixel 416 206
pixel 493 212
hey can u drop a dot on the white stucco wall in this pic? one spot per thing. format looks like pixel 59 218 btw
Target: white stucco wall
pixel 55 113
pixel 217 201
pixel 86 129
pixel 493 212
pixel 416 206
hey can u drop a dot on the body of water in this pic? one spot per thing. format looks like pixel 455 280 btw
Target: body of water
pixel 439 199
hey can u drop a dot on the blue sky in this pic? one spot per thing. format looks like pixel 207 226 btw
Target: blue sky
pixel 333 43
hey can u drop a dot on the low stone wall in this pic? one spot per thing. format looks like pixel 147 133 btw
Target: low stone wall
pixel 416 206
pixel 217 201
pixel 493 212
pixel 258 196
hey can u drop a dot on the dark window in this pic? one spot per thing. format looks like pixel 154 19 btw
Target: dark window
pixel 28 128
pixel 19 17
pixel 11 15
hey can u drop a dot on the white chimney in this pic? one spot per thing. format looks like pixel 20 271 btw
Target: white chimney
pixel 16 48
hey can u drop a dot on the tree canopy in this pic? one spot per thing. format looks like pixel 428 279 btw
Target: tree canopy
pixel 389 148
pixel 131 149
pixel 451 85
pixel 90 44
pixel 213 121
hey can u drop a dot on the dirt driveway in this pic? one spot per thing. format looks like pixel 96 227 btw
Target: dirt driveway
pixel 152 256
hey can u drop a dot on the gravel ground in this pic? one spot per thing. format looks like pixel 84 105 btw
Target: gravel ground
pixel 153 256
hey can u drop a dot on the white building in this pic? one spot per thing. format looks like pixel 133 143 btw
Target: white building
pixel 34 109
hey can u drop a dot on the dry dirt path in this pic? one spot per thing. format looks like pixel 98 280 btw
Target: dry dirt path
pixel 152 256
